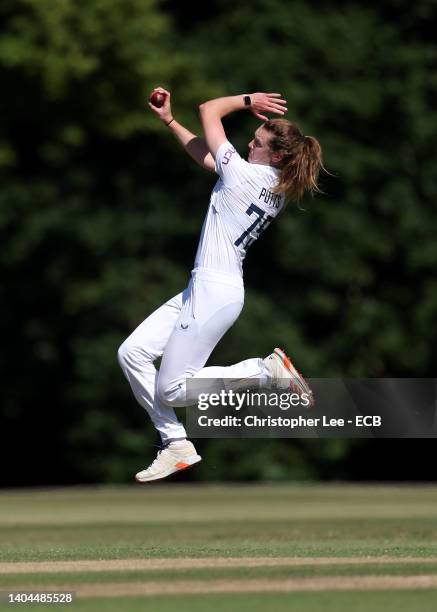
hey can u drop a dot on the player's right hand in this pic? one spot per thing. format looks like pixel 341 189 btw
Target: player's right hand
pixel 164 112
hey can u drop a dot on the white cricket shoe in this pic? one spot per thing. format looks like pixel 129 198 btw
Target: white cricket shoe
pixel 172 457
pixel 285 376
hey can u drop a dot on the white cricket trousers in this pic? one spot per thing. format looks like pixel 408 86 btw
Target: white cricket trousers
pixel 184 331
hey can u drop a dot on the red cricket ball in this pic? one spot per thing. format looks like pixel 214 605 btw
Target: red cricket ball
pixel 157 98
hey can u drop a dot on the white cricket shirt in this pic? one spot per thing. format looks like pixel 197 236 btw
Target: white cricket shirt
pixel 242 205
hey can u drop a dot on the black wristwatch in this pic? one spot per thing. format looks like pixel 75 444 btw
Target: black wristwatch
pixel 247 101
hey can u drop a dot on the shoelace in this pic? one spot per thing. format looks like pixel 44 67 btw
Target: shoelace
pixel 161 447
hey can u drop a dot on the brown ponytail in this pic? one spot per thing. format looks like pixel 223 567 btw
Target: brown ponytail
pixel 301 159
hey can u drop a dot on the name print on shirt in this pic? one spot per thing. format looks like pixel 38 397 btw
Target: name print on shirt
pixel 270 198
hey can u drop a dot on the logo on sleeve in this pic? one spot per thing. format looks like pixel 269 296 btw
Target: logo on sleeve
pixel 227 156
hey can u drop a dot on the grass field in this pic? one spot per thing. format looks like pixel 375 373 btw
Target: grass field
pixel 184 547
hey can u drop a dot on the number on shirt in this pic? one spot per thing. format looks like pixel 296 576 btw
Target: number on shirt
pixel 259 225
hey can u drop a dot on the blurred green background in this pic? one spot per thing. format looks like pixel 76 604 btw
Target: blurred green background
pixel 101 210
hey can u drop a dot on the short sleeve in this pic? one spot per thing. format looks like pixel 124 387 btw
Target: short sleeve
pixel 229 165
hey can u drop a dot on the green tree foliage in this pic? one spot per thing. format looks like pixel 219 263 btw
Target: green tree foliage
pixel 100 210
pixel 92 235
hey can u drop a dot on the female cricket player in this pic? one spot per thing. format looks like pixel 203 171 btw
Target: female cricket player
pixel 248 195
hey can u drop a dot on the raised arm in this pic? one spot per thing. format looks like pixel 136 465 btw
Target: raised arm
pixel 211 113
pixel 195 147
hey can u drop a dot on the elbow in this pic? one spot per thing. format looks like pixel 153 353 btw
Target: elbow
pixel 203 113
pixel 205 106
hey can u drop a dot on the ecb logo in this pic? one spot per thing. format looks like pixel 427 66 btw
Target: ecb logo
pixel 227 156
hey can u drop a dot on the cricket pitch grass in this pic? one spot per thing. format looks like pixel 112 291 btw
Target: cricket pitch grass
pixel 217 548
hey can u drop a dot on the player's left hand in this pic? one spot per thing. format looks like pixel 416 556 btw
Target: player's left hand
pixel 272 103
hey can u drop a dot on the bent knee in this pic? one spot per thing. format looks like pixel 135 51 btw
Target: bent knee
pixel 123 353
pixel 169 393
pixel 120 354
pixel 163 392
pixel 131 355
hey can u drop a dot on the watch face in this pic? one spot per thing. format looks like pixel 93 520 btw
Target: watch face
pixel 247 100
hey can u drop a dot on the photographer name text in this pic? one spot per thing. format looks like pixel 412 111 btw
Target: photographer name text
pixel 292 422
